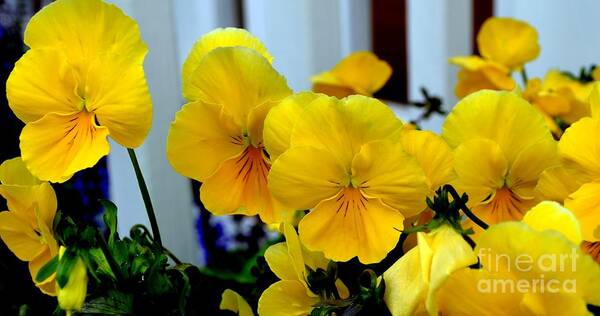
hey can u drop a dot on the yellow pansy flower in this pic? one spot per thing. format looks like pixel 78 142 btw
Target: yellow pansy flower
pixel 292 295
pixel 477 74
pixel 26 228
pixel 525 271
pixel 220 37
pixel 411 284
pixel 501 146
pixel 72 296
pixel 508 41
pixel 346 163
pixel 217 138
pixel 232 301
pixel 358 73
pixel 558 96
pixel 81 81
pixel 505 45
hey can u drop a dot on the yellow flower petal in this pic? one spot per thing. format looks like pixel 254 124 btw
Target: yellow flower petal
pixel 478 74
pixel 58 145
pixel 232 301
pixel 243 179
pixel 361 71
pixel 499 116
pixel 286 298
pixel 414 279
pixel 594 98
pixel 525 171
pixel 585 204
pixel 551 215
pixel 280 122
pixel 556 183
pixel 237 78
pixel 116 91
pixel 220 37
pixel 20 237
pixel 480 169
pixel 47 286
pixel 579 146
pixel 432 154
pixel 84 29
pixel 350 225
pixel 14 172
pixel 383 170
pixel 200 139
pixel 303 176
pixel 279 261
pixel 42 82
pixel 508 41
pixel 342 127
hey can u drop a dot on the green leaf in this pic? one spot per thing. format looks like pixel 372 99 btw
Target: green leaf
pixel 47 270
pixel 110 219
pixel 115 303
pixel 65 265
pixel 98 257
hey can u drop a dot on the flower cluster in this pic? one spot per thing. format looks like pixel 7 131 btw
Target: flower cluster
pixel 368 206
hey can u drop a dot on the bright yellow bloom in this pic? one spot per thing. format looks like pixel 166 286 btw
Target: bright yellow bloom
pixel 72 296
pixel 26 228
pixel 217 138
pixel 358 73
pixel 411 284
pixel 558 96
pixel 292 295
pixel 81 81
pixel 507 41
pixel 525 271
pixel 551 215
pixel 220 37
pixel 232 301
pixel 346 163
pixel 576 182
pixel 502 145
pixel 478 74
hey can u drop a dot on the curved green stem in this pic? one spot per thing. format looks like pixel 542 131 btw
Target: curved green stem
pixel 464 208
pixel 145 196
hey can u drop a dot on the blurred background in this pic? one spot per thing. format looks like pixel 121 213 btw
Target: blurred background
pixel 416 37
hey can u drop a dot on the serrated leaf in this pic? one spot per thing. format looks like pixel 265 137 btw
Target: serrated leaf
pixel 115 303
pixel 46 271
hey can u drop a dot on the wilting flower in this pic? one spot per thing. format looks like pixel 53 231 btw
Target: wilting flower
pixel 358 73
pixel 81 81
pixel 217 138
pixel 527 268
pixel 558 96
pixel 501 146
pixel 576 180
pixel 72 296
pixel 477 74
pixel 292 294
pixel 346 163
pixel 232 301
pixel 505 45
pixel 411 284
pixel 26 228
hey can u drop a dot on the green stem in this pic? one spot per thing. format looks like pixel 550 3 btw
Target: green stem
pixel 524 77
pixel 464 208
pixel 109 258
pixel 145 196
